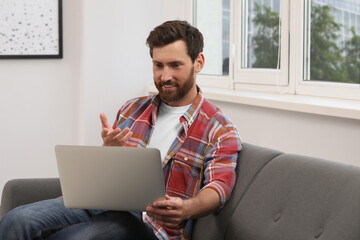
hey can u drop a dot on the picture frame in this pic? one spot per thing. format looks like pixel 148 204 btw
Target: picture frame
pixel 31 29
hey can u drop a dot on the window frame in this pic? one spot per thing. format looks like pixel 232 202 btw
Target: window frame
pixel 277 77
pixel 291 82
pixel 312 87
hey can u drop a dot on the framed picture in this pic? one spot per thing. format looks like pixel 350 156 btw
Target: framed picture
pixel 31 29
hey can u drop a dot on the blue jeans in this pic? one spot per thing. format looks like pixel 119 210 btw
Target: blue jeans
pixel 51 220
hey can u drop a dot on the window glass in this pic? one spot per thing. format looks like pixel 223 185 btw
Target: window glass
pixel 332 41
pixel 261 34
pixel 212 17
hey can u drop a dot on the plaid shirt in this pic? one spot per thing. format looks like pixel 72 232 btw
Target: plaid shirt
pixel 203 155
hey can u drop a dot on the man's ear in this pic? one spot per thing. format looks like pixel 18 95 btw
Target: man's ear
pixel 199 62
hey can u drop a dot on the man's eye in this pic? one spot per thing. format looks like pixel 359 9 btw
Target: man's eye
pixel 175 65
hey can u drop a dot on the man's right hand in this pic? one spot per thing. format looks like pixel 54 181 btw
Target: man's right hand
pixel 113 137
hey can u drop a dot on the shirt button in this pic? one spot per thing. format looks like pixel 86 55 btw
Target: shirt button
pixel 185 158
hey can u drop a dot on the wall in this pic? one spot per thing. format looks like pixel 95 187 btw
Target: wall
pixel 331 138
pixel 117 64
pixel 39 105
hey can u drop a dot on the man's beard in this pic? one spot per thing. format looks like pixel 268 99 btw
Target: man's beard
pixel 181 90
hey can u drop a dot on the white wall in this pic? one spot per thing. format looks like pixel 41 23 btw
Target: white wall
pixel 39 105
pixel 331 138
pixel 117 64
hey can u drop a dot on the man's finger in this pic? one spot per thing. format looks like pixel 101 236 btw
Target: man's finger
pixel 122 134
pixel 104 121
pixel 112 134
pixel 126 138
pixel 168 221
pixel 164 213
pixel 168 203
pixel 123 137
pixel 104 132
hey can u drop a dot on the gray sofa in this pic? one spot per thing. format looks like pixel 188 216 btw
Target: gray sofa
pixel 277 196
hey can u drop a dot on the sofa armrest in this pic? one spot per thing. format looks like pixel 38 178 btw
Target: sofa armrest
pixel 18 192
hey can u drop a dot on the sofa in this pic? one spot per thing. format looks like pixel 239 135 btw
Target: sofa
pixel 277 196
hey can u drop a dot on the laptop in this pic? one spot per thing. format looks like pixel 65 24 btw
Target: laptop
pixel 110 178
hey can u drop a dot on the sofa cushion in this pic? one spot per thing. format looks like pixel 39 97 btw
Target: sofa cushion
pixel 250 162
pixel 296 197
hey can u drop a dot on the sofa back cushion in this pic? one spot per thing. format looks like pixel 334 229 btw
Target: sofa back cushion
pixel 250 162
pixel 296 197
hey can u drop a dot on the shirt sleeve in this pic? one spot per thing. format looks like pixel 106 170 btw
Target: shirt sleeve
pixel 220 163
pixel 119 118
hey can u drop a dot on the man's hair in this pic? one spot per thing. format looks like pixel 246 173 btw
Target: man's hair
pixel 171 31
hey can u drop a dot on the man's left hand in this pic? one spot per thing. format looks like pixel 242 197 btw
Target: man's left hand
pixel 169 212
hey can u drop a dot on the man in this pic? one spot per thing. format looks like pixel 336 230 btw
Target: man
pixel 198 145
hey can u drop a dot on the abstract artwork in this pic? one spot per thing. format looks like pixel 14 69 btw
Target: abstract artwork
pixel 31 29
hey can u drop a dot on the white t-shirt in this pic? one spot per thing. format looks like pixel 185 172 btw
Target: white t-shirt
pixel 167 127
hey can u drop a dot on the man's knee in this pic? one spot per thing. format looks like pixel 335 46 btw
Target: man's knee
pixel 15 217
pixel 13 224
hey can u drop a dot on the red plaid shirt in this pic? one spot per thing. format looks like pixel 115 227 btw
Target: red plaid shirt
pixel 203 155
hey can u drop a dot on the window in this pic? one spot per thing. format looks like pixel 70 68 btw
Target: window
pixel 261 36
pixel 213 20
pixel 308 47
pixel 332 50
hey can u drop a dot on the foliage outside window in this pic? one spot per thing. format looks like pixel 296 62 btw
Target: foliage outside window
pixel 263 32
pixel 334 46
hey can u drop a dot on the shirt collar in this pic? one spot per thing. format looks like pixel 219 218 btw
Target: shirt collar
pixel 193 110
pixel 190 114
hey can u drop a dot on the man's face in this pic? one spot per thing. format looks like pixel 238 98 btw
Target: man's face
pixel 174 74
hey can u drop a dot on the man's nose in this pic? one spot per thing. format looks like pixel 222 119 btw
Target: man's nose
pixel 166 74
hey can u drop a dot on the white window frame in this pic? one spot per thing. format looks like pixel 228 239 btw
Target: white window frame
pixel 262 76
pixel 289 79
pixel 313 88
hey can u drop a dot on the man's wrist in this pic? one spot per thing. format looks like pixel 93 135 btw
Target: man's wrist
pixel 188 206
pixel 206 202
